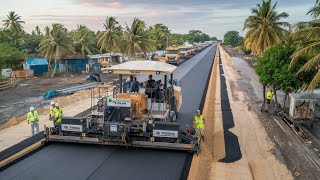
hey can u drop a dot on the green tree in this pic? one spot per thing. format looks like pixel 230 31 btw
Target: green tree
pixel 196 36
pixel 10 57
pixel 138 38
pixel 37 31
pixel 315 11
pixel 110 38
pixel 233 38
pixel 84 40
pixel 272 69
pixel 13 22
pixel 176 39
pixel 12 37
pixel 159 33
pixel 56 45
pixel 308 41
pixel 213 38
pixel 31 43
pixel 265 28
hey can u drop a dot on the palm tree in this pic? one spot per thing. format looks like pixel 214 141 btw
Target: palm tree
pixel 138 38
pixel 308 39
pixel 37 31
pixel 159 33
pixel 84 40
pixel 13 37
pixel 109 39
pixel 265 28
pixel 56 45
pixel 315 11
pixel 46 31
pixel 13 22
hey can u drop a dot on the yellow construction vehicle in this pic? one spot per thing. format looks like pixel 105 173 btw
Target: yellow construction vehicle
pixel 184 52
pixel 172 55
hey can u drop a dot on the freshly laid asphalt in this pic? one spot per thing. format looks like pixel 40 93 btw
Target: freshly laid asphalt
pixel 75 161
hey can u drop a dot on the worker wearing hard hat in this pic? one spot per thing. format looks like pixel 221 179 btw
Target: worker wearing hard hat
pixel 52 111
pixel 270 96
pixel 198 124
pixel 57 114
pixel 33 120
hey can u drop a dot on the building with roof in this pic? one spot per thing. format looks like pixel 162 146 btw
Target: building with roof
pixel 38 65
pixel 104 59
pixel 73 64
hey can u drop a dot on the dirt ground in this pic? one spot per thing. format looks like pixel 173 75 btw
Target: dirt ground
pixel 15 102
pixel 21 130
pixel 286 146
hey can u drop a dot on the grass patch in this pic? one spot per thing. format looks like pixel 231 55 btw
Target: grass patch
pixel 2 78
pixel 56 75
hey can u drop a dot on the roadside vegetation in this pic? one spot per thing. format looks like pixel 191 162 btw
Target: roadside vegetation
pixel 288 55
pixel 56 42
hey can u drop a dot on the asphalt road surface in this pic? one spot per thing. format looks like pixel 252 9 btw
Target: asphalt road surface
pixel 75 161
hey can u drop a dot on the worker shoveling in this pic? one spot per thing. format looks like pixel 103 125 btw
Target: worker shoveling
pixel 144 116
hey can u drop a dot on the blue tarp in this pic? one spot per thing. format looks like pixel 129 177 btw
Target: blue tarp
pixel 52 93
pixel 36 61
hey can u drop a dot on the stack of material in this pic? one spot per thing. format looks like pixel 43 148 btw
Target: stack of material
pixel 23 73
pixel 74 89
pixel 5 85
pixel 138 102
pixel 178 94
pixel 54 93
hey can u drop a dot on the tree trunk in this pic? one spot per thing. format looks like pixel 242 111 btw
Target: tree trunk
pixel 284 103
pixel 110 54
pixel 264 97
pixel 275 96
pixel 54 69
pixel 146 56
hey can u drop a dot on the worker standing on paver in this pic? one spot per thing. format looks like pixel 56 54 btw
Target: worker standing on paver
pixel 198 124
pixel 51 111
pixel 33 120
pixel 151 87
pixel 136 85
pixel 57 115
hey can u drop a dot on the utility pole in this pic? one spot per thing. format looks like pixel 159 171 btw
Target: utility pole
pixel 167 40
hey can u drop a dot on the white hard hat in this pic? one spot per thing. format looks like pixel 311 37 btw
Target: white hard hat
pixel 52 103
pixel 57 104
pixel 31 108
pixel 198 110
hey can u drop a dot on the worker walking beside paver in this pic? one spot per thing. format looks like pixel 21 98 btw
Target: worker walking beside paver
pixel 198 124
pixel 52 111
pixel 33 120
pixel 57 115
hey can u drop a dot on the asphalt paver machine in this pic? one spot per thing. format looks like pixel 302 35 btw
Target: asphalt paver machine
pixel 123 118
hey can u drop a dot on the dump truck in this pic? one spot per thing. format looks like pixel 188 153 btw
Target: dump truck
pixel 138 119
pixel 172 56
pixel 184 52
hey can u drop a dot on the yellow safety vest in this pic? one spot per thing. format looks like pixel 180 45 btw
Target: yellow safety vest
pixel 199 122
pixel 58 114
pixel 31 117
pixel 269 95
pixel 52 110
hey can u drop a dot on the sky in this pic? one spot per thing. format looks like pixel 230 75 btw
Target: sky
pixel 213 17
